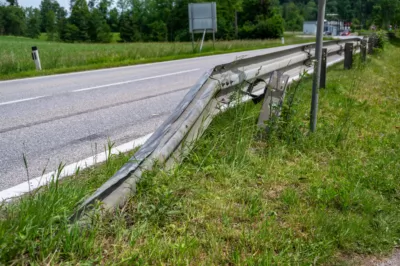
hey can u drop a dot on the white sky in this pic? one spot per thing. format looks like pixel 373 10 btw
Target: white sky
pixel 36 3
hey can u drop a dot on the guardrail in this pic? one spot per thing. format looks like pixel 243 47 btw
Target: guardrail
pixel 208 97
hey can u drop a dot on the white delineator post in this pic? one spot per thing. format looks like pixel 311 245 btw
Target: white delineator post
pixel 318 57
pixel 36 58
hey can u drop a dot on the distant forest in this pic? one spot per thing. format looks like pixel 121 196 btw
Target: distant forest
pixel 167 20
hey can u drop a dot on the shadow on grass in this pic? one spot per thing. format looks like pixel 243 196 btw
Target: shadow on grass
pixel 395 41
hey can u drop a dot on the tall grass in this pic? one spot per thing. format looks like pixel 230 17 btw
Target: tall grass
pixel 16 61
pixel 37 225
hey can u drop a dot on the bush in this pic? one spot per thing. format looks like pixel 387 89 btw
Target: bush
pixel 382 39
pixel 247 31
pixel 275 26
pixel 158 32
pixel 264 29
pixel 71 33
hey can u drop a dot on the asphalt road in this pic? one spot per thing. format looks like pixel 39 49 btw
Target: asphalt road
pixel 66 118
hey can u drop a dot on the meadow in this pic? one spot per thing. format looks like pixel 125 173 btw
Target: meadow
pixel 243 197
pixel 16 60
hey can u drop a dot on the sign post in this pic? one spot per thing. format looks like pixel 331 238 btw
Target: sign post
pixel 317 69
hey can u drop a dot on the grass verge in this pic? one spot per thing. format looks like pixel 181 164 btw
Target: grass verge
pixel 38 224
pixel 57 58
pixel 241 198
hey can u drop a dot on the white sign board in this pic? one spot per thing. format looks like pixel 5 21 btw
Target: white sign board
pixel 203 16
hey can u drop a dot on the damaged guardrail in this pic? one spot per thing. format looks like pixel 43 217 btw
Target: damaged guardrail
pixel 208 97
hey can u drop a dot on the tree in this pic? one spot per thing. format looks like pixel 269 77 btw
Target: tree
pixel 253 9
pixel 167 20
pixel 33 22
pixel 2 19
pixel 99 30
pixel 113 19
pixel 103 7
pixel 61 24
pixel 345 10
pixel 123 5
pixel 310 11
pixel 45 7
pixel 70 33
pixel 158 32
pixel 14 21
pixel 128 30
pixel 51 26
pixel 294 20
pixel 12 2
pixel 80 17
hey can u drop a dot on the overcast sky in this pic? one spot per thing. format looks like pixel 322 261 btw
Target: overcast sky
pixel 36 3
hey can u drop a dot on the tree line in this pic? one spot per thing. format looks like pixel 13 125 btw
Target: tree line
pixel 167 20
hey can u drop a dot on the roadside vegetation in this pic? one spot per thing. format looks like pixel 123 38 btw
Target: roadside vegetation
pixel 56 57
pixel 167 20
pixel 157 30
pixel 243 197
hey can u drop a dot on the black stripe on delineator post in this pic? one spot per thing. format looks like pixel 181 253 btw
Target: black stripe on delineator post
pixel 34 49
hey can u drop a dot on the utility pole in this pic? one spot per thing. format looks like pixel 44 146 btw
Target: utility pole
pixel 317 68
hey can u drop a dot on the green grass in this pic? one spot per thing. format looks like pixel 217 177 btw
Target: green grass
pixel 241 197
pixel 16 61
pixel 38 224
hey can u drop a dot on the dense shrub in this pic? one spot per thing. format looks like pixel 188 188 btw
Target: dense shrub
pixel 381 39
pixel 264 28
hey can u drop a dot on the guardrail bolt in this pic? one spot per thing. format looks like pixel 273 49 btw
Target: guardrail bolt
pixel 348 56
pixel 322 80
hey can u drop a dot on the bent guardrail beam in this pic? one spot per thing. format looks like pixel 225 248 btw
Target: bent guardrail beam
pixel 176 136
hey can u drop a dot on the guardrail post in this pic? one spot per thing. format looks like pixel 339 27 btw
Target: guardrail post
pixel 273 100
pixel 363 50
pixel 370 45
pixel 322 82
pixel 348 56
pixel 375 41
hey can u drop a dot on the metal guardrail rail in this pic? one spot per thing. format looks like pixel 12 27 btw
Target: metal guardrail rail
pixel 208 97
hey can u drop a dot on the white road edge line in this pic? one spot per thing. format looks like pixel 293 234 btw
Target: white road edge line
pixel 22 100
pixel 137 80
pixel 18 190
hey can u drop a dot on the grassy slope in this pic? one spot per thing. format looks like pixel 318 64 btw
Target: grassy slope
pixel 16 61
pixel 243 199
pixel 38 224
